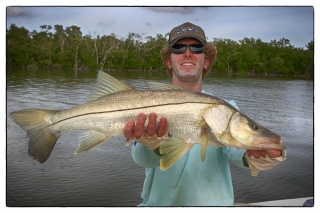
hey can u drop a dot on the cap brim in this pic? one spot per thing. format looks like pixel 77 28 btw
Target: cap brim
pixel 187 36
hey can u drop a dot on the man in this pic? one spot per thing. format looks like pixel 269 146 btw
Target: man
pixel 189 182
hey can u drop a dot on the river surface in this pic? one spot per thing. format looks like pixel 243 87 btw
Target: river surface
pixel 107 176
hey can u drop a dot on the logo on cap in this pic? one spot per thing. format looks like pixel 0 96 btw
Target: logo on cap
pixel 189 28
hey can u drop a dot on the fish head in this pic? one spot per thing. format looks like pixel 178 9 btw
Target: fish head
pixel 250 135
pixel 232 128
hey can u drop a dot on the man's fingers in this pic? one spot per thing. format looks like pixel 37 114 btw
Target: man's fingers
pixel 152 125
pixel 128 129
pixel 256 154
pixel 264 153
pixel 274 153
pixel 163 126
pixel 139 129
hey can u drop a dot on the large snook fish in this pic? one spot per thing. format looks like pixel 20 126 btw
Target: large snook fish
pixel 112 103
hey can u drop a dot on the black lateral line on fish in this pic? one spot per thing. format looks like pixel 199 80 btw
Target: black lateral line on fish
pixel 119 110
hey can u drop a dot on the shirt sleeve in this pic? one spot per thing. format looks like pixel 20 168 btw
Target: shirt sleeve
pixel 233 104
pixel 235 155
pixel 143 156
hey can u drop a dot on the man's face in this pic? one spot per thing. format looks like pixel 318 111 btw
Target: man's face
pixel 187 66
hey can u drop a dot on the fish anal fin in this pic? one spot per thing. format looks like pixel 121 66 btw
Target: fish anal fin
pixel 90 139
pixel 173 148
pixel 106 84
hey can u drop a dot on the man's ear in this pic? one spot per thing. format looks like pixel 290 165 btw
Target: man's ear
pixel 168 63
pixel 206 63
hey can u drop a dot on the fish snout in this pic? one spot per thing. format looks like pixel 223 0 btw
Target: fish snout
pixel 274 142
pixel 277 140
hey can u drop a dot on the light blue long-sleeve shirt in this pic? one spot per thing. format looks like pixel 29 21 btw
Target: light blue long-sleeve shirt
pixel 189 182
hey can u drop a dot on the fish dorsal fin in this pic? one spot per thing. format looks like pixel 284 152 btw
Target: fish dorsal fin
pixel 106 84
pixel 162 86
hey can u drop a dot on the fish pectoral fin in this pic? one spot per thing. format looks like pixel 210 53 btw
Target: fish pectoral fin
pixel 90 139
pixel 106 84
pixel 173 148
pixel 204 143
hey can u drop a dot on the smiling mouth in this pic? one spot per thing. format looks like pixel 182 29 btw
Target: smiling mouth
pixel 187 64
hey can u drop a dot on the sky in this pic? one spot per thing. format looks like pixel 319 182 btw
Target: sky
pixel 295 23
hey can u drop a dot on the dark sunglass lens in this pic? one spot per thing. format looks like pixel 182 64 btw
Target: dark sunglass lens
pixel 196 48
pixel 181 48
pixel 178 48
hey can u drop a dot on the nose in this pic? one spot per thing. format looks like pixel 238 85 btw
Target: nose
pixel 187 53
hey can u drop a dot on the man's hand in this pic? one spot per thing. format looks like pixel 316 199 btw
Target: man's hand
pixel 150 136
pixel 261 160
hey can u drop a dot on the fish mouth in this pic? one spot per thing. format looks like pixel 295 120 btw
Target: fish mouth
pixel 267 143
pixel 271 146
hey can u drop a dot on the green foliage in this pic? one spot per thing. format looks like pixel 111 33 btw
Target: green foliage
pixel 68 48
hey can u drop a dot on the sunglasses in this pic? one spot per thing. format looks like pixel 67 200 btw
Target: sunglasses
pixel 181 48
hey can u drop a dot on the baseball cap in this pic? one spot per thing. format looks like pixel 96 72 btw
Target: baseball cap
pixel 187 30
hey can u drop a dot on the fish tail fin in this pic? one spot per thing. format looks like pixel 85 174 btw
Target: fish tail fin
pixel 173 148
pixel 41 138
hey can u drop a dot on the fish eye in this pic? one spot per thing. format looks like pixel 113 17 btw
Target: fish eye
pixel 255 127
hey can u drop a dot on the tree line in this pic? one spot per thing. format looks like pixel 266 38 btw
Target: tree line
pixel 60 47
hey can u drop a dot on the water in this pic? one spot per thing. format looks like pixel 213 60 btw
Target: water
pixel 107 176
